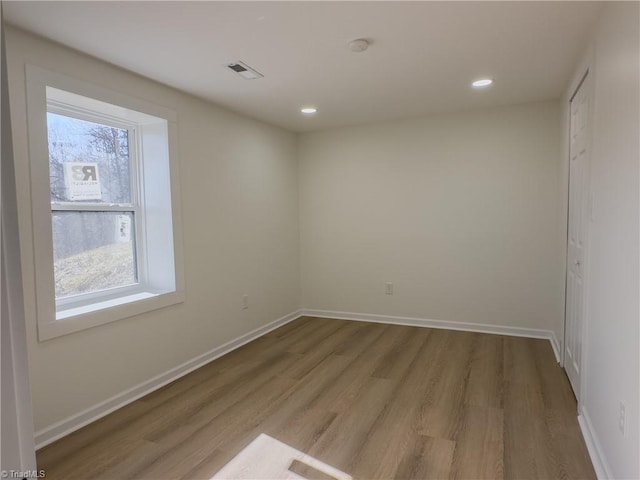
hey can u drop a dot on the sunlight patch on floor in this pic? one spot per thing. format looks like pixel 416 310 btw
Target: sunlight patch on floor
pixel 267 458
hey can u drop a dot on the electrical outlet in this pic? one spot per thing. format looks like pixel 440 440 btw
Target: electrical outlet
pixel 388 288
pixel 245 301
pixel 622 418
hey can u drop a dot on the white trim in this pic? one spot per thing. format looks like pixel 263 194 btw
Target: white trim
pixel 107 314
pixel 70 424
pixel 598 459
pixel 443 324
pixel 87 89
pixel 585 69
pixel 120 299
pixel 18 452
pixel 555 345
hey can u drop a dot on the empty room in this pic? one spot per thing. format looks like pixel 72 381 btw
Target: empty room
pixel 320 240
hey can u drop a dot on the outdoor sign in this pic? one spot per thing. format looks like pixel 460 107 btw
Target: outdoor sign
pixel 82 181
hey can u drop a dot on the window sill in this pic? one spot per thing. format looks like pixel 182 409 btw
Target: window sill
pixel 95 306
pixel 72 320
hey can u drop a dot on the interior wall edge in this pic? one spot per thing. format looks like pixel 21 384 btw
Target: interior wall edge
pixel 493 329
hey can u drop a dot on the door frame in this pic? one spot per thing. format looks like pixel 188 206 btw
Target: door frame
pixel 585 70
pixel 18 452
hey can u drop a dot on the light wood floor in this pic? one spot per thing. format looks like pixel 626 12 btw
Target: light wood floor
pixel 376 401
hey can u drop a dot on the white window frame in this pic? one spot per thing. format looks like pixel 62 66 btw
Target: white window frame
pixel 155 188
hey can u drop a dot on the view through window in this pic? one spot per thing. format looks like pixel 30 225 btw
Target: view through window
pixel 93 203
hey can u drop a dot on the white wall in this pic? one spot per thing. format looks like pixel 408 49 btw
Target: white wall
pixel 611 368
pixel 240 217
pixel 459 211
pixel 17 451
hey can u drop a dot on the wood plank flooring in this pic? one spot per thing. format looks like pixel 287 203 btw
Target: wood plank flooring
pixel 375 401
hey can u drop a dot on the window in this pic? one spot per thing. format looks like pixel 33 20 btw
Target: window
pixel 107 241
pixel 94 204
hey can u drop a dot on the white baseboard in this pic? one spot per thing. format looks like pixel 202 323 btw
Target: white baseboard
pixel 555 344
pixel 598 459
pixel 444 324
pixel 64 427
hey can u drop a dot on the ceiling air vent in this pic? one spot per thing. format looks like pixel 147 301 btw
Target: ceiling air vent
pixel 244 70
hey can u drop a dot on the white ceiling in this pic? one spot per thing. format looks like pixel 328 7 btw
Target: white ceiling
pixel 422 58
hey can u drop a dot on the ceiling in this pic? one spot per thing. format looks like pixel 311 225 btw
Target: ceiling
pixel 422 57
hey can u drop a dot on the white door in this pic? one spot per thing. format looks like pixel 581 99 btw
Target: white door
pixel 578 165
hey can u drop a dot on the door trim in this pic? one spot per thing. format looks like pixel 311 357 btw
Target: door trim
pixel 574 92
pixel 576 84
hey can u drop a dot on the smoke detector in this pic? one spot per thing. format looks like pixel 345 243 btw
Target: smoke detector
pixel 359 45
pixel 244 70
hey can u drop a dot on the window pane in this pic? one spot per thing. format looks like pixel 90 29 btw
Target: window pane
pixel 93 251
pixel 88 162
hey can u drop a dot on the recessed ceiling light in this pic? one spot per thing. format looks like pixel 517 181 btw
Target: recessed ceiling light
pixel 309 110
pixel 481 83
